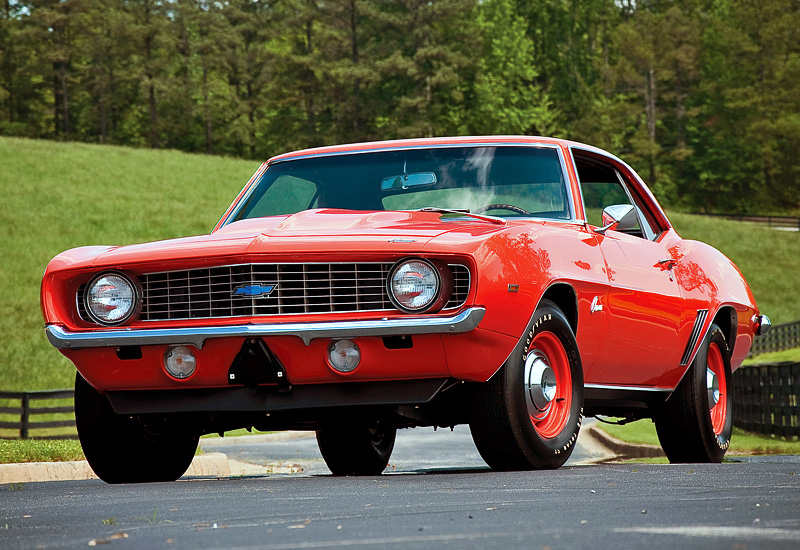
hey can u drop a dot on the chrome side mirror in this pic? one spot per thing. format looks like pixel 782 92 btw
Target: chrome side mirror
pixel 618 217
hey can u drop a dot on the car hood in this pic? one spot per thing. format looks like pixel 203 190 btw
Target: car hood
pixel 309 232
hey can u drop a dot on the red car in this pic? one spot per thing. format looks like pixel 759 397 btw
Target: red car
pixel 515 284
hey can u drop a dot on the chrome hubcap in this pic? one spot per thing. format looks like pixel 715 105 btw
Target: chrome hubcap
pixel 540 384
pixel 712 387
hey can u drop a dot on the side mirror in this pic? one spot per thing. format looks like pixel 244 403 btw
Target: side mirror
pixel 619 217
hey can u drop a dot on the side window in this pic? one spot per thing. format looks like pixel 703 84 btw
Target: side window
pixel 602 186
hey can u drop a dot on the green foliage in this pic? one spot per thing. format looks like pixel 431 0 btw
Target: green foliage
pixel 699 96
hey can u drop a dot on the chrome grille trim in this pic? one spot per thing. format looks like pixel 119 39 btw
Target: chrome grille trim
pixel 302 288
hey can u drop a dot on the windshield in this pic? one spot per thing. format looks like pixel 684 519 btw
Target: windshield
pixel 501 181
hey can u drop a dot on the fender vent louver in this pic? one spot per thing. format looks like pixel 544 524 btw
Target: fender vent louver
pixel 702 314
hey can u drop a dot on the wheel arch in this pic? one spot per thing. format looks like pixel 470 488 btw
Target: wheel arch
pixel 565 297
pixel 726 319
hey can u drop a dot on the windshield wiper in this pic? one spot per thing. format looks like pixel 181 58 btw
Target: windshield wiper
pixel 464 212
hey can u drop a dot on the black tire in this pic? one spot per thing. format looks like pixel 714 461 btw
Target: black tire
pixel 356 450
pixel 121 449
pixel 688 428
pixel 508 432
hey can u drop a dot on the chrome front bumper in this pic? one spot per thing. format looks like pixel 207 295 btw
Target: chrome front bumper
pixel 196 336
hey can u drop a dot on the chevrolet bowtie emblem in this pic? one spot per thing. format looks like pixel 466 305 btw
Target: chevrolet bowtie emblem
pixel 253 291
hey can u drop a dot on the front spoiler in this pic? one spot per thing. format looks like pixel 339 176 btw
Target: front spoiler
pixel 464 321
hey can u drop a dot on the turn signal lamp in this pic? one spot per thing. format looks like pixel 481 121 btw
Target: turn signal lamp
pixel 344 355
pixel 180 362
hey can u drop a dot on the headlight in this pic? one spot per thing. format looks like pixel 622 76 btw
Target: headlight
pixel 110 299
pixel 414 285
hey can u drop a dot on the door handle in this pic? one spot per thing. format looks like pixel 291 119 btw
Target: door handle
pixel 669 263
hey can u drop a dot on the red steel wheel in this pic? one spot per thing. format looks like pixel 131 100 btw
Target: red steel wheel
pixel 717 388
pixel 548 382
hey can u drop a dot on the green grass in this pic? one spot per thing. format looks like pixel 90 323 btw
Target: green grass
pixel 792 355
pixel 55 196
pixel 742 443
pixel 32 450
pixel 769 259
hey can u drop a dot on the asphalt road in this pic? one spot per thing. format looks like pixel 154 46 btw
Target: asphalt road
pixel 440 498
pixel 419 450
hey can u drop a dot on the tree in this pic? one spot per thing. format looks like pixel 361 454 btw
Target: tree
pixel 507 99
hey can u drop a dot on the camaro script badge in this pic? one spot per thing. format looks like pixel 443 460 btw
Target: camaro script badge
pixel 253 291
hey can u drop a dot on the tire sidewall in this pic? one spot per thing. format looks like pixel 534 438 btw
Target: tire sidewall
pixel 715 444
pixel 545 452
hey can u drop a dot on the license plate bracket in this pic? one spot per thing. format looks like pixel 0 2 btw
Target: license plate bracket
pixel 256 365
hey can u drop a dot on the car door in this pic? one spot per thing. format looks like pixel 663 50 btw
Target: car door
pixel 644 305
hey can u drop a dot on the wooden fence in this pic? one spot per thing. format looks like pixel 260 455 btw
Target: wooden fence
pixel 766 399
pixel 26 410
pixel 779 338
pixel 779 222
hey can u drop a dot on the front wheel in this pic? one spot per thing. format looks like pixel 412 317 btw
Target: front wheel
pixel 529 414
pixel 123 449
pixel 356 449
pixel 696 422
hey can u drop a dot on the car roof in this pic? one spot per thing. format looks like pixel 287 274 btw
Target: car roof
pixel 426 142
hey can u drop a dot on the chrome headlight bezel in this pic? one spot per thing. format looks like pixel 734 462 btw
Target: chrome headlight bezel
pixel 135 299
pixel 434 297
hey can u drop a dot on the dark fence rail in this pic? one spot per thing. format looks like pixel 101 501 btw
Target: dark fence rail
pixel 784 222
pixel 766 399
pixel 779 338
pixel 26 410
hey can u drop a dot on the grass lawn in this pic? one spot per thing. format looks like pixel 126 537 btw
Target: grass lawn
pixel 57 196
pixel 792 355
pixel 742 443
pixel 33 450
pixel 769 259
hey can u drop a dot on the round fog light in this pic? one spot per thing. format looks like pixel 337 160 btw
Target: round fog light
pixel 344 355
pixel 180 362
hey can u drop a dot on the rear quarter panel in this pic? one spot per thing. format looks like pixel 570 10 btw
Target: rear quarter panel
pixel 709 280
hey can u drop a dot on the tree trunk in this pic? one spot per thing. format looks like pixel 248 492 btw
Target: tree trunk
pixel 206 102
pixel 650 113
pixel 354 59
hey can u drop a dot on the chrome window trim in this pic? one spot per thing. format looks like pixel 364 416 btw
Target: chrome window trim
pixel 613 158
pixel 463 321
pixel 562 161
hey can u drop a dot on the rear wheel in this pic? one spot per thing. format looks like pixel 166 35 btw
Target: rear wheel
pixel 123 449
pixel 356 450
pixel 529 414
pixel 696 422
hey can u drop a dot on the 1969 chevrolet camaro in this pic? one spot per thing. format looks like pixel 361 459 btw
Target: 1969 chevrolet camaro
pixel 516 284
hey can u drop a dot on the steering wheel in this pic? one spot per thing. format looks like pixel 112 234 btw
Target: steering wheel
pixel 498 206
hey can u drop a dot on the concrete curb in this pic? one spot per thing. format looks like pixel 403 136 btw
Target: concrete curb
pixel 604 447
pixel 209 464
pixel 622 449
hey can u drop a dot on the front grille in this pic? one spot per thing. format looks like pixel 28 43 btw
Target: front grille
pixel 298 289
